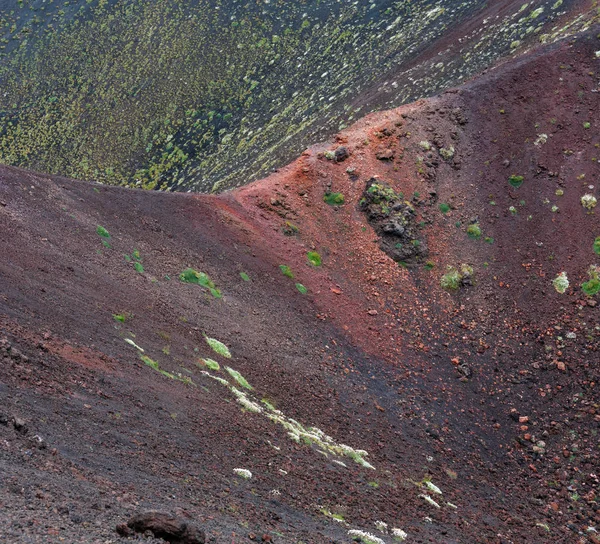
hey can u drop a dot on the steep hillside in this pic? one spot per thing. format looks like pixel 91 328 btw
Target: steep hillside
pixel 361 392
pixel 208 95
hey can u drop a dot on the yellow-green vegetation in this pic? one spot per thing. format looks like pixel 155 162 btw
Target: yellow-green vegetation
pixel 301 288
pixel 244 276
pixel 592 286
pixel 333 199
pixel 474 231
pixel 210 363
pixel 454 278
pixel 314 258
pixel 189 275
pixel 238 377
pixel 515 181
pixel 286 270
pixel 101 231
pixel 597 245
pixel 199 94
pixel 218 347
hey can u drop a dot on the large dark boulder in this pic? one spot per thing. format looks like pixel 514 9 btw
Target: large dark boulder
pixel 170 528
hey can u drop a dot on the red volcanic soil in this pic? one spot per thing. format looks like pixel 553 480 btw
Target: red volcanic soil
pixel 490 392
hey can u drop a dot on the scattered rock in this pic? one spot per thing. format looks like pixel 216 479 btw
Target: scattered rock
pixel 341 154
pixel 384 154
pixel 165 526
pixel 394 220
pixel 465 370
pixel 19 425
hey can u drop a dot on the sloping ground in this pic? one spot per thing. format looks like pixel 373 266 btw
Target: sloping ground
pixel 487 394
pixel 208 95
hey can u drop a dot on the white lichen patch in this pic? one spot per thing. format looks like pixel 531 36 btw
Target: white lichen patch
pixel 399 534
pixel 429 500
pixel 132 343
pixel 297 432
pixel 243 473
pixel 541 139
pixel 365 537
pixel 561 282
pixel 216 378
pixel 589 201
pixel 248 404
pixel 432 487
pixel 381 526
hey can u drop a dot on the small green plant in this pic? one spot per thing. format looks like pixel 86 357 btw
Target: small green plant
pixel 589 202
pixel 561 283
pixel 238 377
pixel 429 265
pixel 455 278
pixel 512 210
pixel 286 270
pixel 120 317
pixel 211 364
pixel 218 347
pixel 592 286
pixel 333 199
pixel 136 255
pixel 444 208
pixel 244 276
pixel 447 153
pixel 150 362
pixel 489 239
pixel 451 280
pixel 587 125
pixel 597 245
pixel 516 181
pixel 474 231
pixel 139 268
pixel 301 288
pixel 328 513
pixel 243 473
pixel 314 258
pixel 101 231
pixel 269 404
pixel 289 229
pixel 189 275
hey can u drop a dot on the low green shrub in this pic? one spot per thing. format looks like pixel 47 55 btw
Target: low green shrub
pixel 286 270
pixel 314 258
pixel 474 231
pixel 592 286
pixel 333 199
pixel 516 181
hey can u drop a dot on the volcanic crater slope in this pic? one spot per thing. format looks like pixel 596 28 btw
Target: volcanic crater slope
pixel 256 365
pixel 207 95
